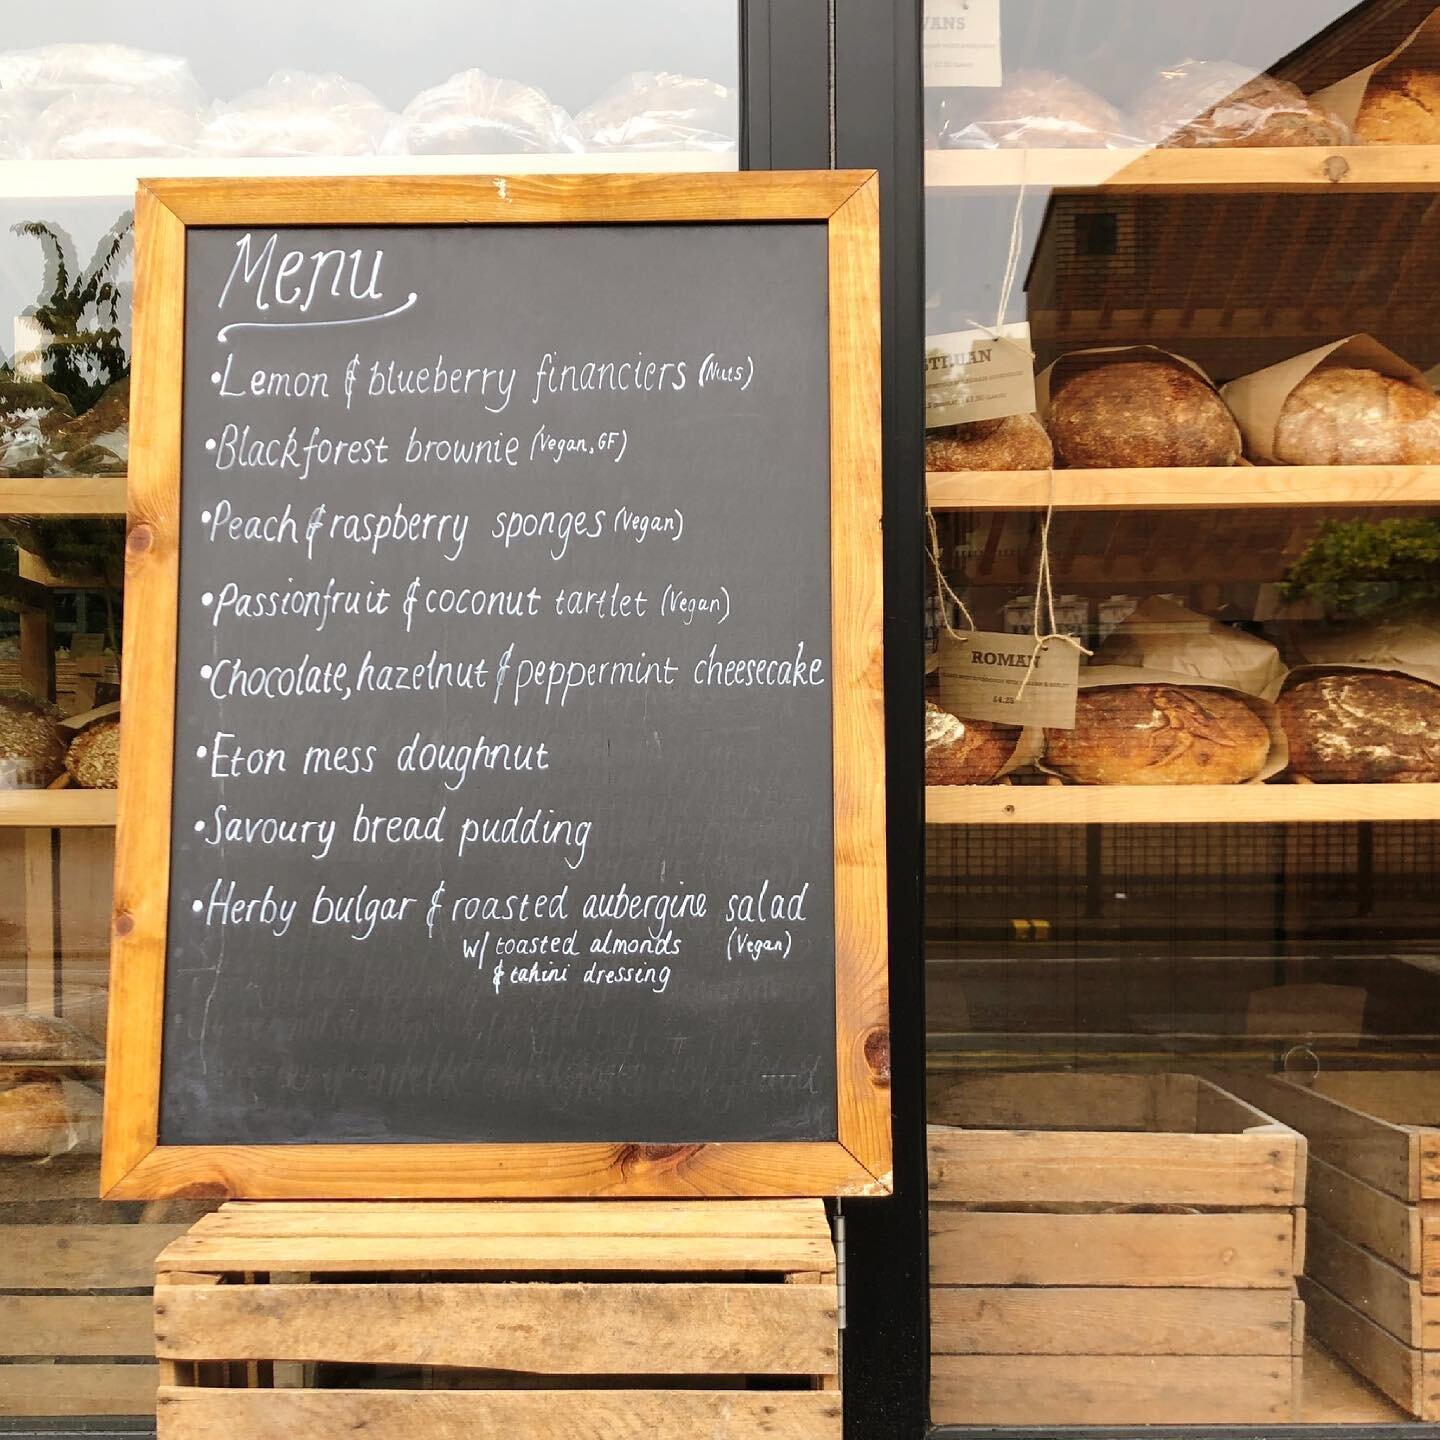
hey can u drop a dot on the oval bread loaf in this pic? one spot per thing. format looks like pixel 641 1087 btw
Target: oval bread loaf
pixel 1360 727
pixel 1340 415
pixel 1159 735
pixel 965 752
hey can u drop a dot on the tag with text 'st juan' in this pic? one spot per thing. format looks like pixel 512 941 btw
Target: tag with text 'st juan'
pixel 981 674
pixel 962 43
pixel 978 375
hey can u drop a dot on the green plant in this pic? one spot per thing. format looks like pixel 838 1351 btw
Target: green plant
pixel 1363 569
pixel 80 312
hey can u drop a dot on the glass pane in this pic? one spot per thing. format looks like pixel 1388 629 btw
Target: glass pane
pixel 1183 731
pixel 91 97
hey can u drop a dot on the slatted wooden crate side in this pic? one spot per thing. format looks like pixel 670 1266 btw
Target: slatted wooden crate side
pixel 90 1352
pixel 1383 1154
pixel 1020 1320
pixel 1112 1390
pixel 1062 1167
pixel 562 1329
pixel 218 1414
pixel 1379 1290
pixel 1391 1228
pixel 1409 1376
pixel 1242 1250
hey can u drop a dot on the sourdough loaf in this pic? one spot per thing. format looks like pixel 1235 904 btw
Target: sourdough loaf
pixel 1343 415
pixel 1362 727
pixel 1017 442
pixel 1159 735
pixel 965 752
pixel 1140 413
pixel 1038 109
pixel 1401 107
pixel 93 758
pixel 1215 102
pixel 34 1118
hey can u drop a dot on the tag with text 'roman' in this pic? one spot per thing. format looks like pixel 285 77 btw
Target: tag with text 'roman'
pixel 981 674
pixel 979 375
pixel 962 43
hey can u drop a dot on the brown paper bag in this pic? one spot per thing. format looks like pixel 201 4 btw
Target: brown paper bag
pixel 1256 400
pixel 1421 48
pixel 1098 677
pixel 1161 635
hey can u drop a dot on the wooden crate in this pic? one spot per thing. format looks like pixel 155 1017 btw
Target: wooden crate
pixel 627 1320
pixel 1112 1249
pixel 1372 1277
pixel 75 1323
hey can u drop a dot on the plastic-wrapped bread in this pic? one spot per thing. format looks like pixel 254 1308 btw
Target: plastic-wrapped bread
pixel 110 122
pixel 656 110
pixel 472 113
pixel 297 113
pixel 1160 735
pixel 48 72
pixel 1216 102
pixel 1362 727
pixel 1346 415
pixel 26 1036
pixel 1036 110
pixel 1017 442
pixel 32 747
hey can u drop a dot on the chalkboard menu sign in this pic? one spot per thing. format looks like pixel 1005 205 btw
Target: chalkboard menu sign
pixel 502 770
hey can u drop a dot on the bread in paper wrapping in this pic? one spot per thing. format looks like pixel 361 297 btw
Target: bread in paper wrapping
pixel 1134 407
pixel 1352 402
pixel 1216 102
pixel 1365 708
pixel 966 752
pixel 1395 101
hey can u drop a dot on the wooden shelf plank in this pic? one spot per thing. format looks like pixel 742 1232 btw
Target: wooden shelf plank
pixel 100 179
pixel 1247 486
pixel 63 495
pixel 51 808
pixel 1355 167
pixel 1177 804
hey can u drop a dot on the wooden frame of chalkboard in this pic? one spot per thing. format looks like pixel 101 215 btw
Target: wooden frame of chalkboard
pixel 134 1162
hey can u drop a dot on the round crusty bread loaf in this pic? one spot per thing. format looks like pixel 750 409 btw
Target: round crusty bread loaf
pixel 32 747
pixel 965 752
pixel 1401 107
pixel 93 758
pixel 1339 415
pixel 34 1119
pixel 1018 442
pixel 1039 110
pixel 1220 103
pixel 1159 735
pixel 1356 727
pixel 1140 413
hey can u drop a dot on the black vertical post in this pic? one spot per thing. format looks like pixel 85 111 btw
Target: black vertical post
pixel 878 124
pixel 838 83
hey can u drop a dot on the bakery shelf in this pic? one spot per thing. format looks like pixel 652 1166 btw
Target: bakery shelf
pixel 1186 489
pixel 111 179
pixel 1176 805
pixel 1355 167
pixel 70 495
pixel 50 809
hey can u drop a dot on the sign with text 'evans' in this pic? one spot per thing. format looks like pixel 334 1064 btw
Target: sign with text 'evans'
pixel 503 686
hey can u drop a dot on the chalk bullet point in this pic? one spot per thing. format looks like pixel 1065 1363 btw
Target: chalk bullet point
pixel 197 906
pixel 210 443
pixel 215 378
pixel 201 752
pixel 206 671
pixel 207 599
pixel 199 827
pixel 204 517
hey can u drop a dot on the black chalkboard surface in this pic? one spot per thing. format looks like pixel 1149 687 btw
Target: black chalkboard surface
pixel 502 786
